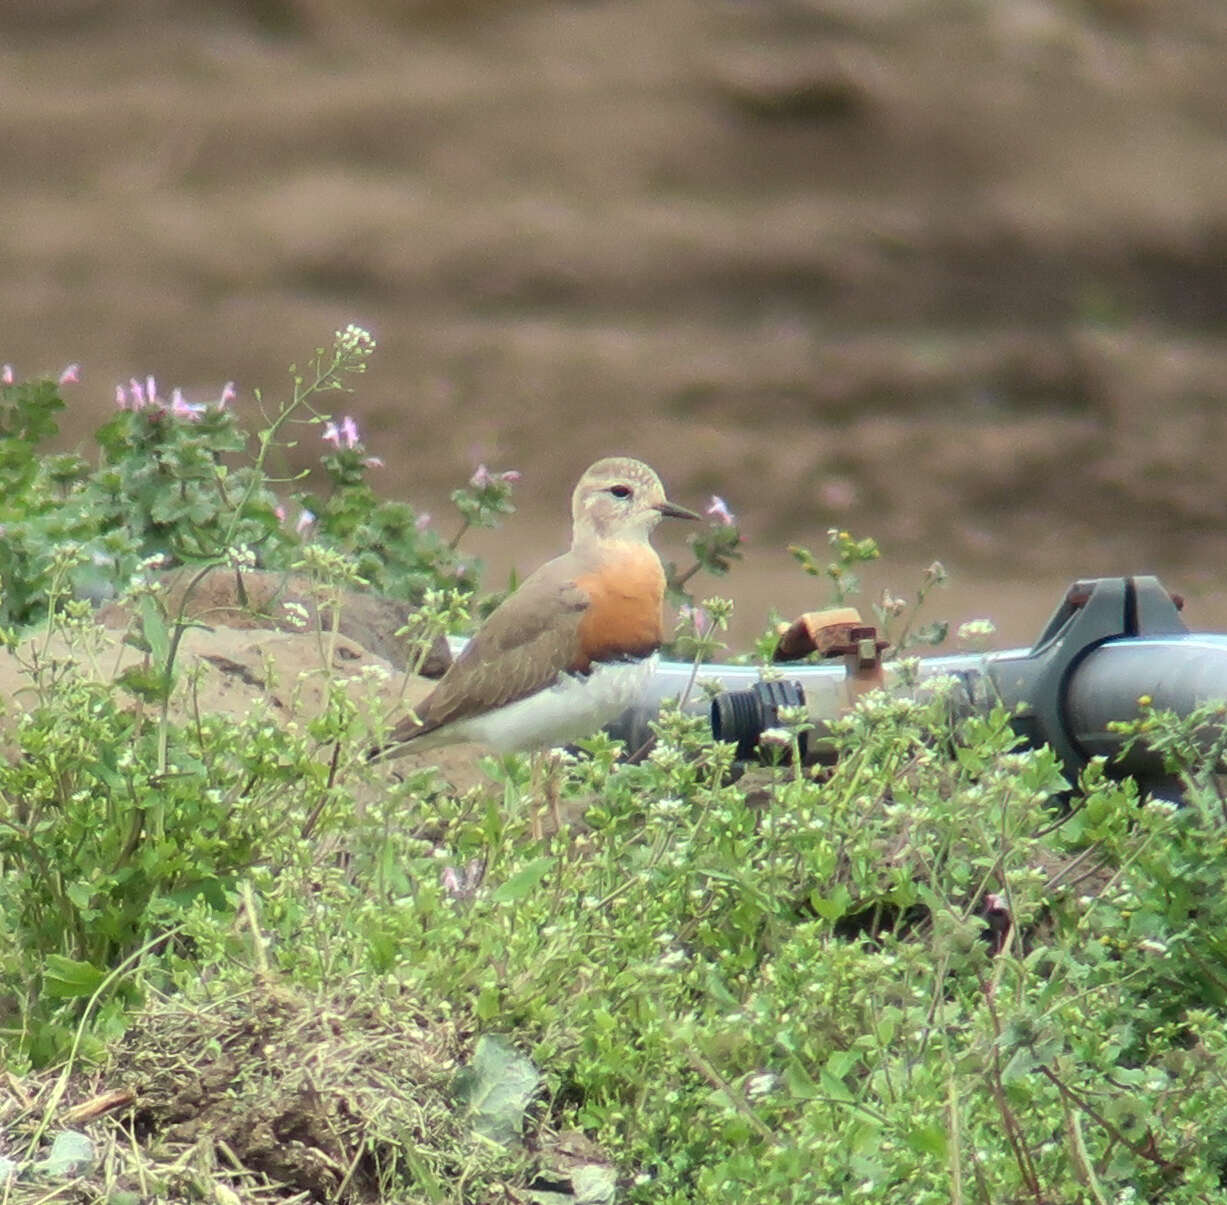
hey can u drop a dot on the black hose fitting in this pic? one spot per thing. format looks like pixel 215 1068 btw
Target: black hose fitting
pixel 743 715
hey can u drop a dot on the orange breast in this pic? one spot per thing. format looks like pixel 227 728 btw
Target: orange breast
pixel 624 617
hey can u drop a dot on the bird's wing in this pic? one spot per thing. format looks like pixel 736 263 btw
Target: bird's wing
pixel 526 643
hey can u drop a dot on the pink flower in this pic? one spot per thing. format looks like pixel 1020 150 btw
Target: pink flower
pixel 373 462
pixel 304 521
pixel 279 511
pixel 71 375
pixel 181 408
pixel 345 433
pixel 6 375
pixel 142 395
pixel 482 477
pixel 463 883
pixel 422 522
pixel 697 617
pixel 228 395
pixel 720 512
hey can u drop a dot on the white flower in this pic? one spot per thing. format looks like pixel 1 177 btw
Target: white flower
pixel 760 1085
pixel 296 615
pixel 241 557
pixel 355 340
pixel 780 737
pixel 671 960
pixel 977 629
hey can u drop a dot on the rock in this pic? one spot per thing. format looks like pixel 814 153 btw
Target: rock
pixel 287 602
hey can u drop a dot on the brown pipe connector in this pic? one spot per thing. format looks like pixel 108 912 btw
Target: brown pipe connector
pixel 863 660
pixel 837 633
pixel 822 632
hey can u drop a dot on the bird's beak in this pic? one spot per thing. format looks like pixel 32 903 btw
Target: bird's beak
pixel 672 511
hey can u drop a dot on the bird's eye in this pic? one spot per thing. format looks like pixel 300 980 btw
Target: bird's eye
pixel 620 491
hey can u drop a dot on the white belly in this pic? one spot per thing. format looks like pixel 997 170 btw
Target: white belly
pixel 575 708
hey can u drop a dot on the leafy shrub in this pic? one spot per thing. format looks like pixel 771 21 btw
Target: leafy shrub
pixel 178 483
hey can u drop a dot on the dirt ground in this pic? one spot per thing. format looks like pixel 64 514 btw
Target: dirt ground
pixel 951 274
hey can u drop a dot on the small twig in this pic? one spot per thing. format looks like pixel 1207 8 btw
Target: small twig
pixel 717 1081
pixel 682 578
pixel 96 1106
pixel 1141 1151
pixel 253 923
pixel 1013 1131
pixel 1071 866
pixel 454 542
pixel 956 1163
pixel 18 1090
pixel 309 824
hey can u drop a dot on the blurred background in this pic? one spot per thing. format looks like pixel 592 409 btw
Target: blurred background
pixel 951 273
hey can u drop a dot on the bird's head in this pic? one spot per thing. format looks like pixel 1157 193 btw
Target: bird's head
pixel 621 499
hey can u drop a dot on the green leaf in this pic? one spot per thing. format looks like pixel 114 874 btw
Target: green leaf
pixel 66 978
pixel 831 907
pixel 798 1082
pixel 522 882
pixel 148 684
pixel 840 1062
pixel 719 992
pixel 496 1088
pixel 154 625
pixel 1022 1062
pixel 594 1184
pixel 81 895
pixel 487 1004
pixel 929 1140
pixel 211 890
pixel 835 1088
pixel 71 1154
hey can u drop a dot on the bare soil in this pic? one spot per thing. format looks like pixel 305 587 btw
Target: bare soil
pixel 954 275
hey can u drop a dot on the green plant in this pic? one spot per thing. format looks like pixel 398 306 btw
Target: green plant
pixel 883 980
pixel 909 974
pixel 840 572
pixel 114 817
pixel 105 835
pixel 715 547
pixel 180 483
pixel 896 617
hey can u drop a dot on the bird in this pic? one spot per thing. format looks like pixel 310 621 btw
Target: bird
pixel 574 646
